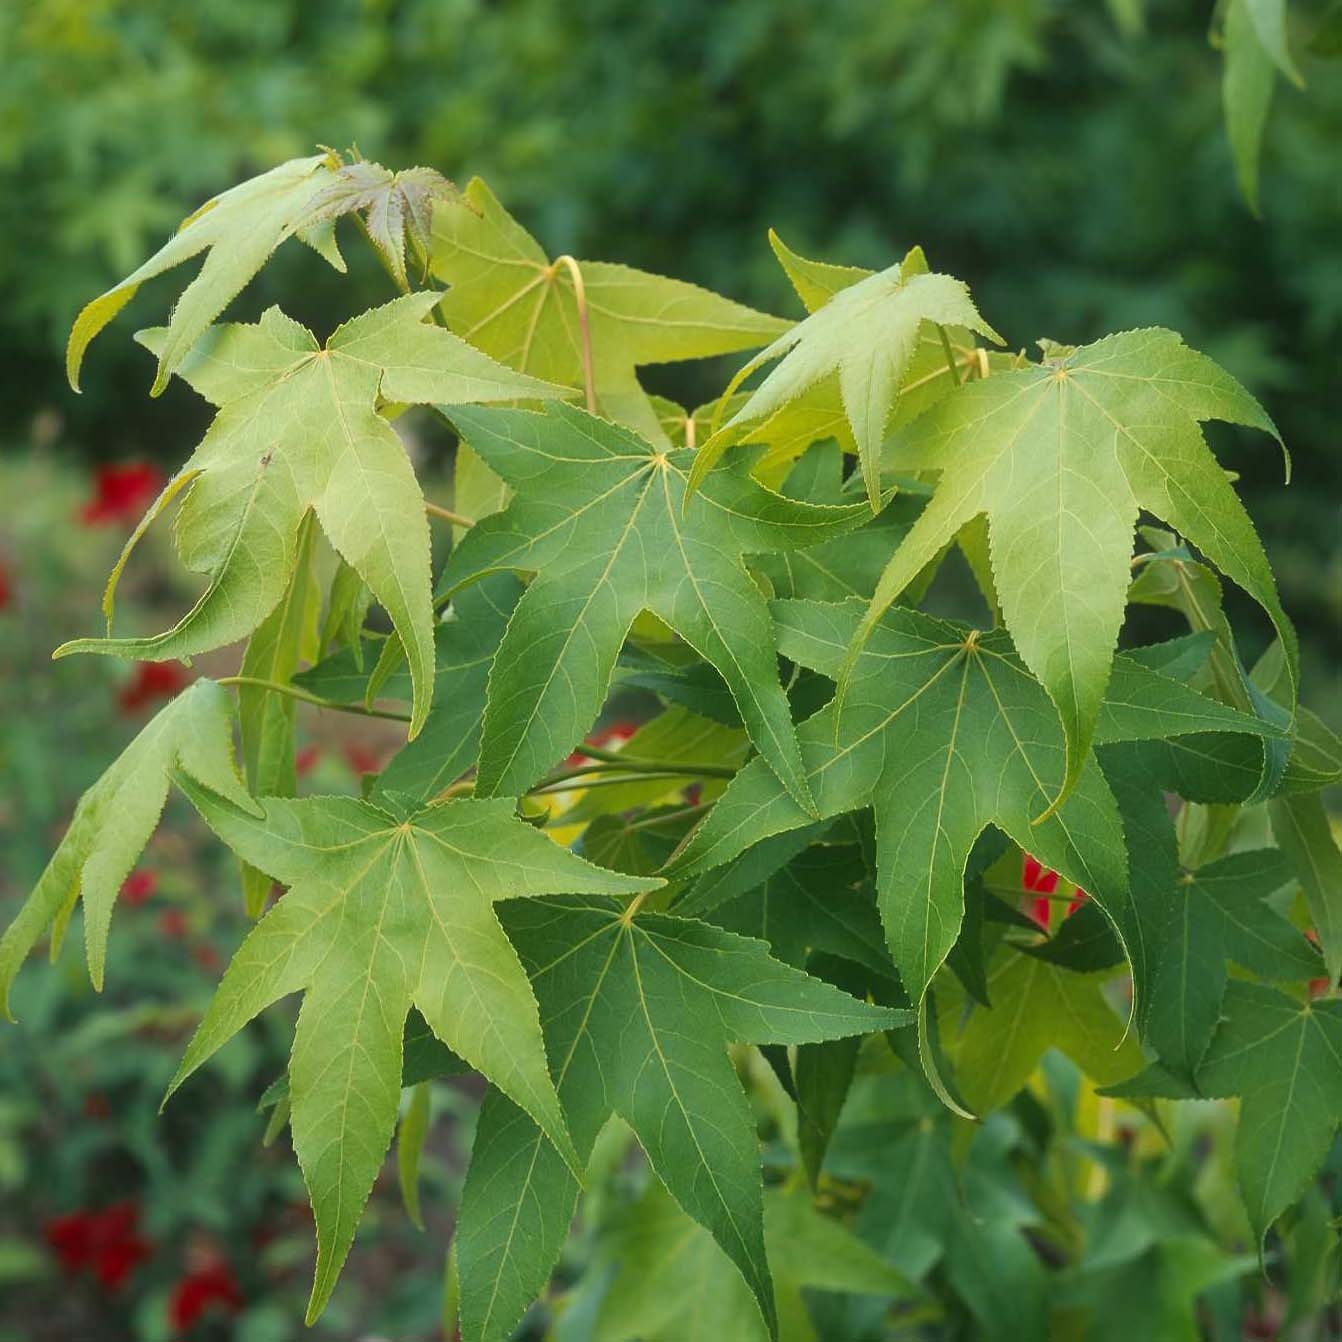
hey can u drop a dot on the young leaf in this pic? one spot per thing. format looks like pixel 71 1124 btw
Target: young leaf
pixel 598 517
pixel 637 1012
pixel 1284 1061
pixel 951 717
pixel 507 297
pixel 114 819
pixel 868 334
pixel 1060 457
pixel 240 229
pixel 298 429
pixel 1304 832
pixel 385 912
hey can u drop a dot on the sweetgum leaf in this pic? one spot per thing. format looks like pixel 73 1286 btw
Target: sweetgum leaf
pixel 509 299
pixel 637 1012
pixel 951 717
pixel 240 229
pixel 1060 457
pixel 598 516
pixel 1284 1060
pixel 385 912
pixel 867 333
pixel 298 429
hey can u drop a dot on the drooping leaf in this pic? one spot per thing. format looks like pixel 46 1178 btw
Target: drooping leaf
pixel 598 517
pixel 867 334
pixel 410 1136
pixel 1284 1060
pixel 637 1013
pixel 114 819
pixel 672 1282
pixel 240 229
pixel 385 911
pixel 1060 456
pixel 508 298
pixel 951 717
pixel 1248 82
pixel 1304 832
pixel 298 429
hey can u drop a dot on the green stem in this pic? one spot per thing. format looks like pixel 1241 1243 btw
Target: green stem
pixel 574 782
pixel 276 687
pixel 457 519
pixel 950 354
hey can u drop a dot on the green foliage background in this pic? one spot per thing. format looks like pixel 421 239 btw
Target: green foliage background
pixel 1066 157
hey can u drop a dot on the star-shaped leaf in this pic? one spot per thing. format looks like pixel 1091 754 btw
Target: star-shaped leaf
pixel 298 429
pixel 1284 1060
pixel 396 208
pixel 867 334
pixel 944 732
pixel 113 822
pixel 1060 457
pixel 386 911
pixel 672 1282
pixel 240 229
pixel 511 300
pixel 598 516
pixel 637 1011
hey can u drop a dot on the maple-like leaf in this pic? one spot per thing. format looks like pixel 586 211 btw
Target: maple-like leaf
pixel 598 516
pixel 1060 457
pixel 396 208
pixel 671 1282
pixel 1284 1060
pixel 114 819
pixel 240 228
pixel 385 911
pixel 298 429
pixel 943 733
pixel 867 334
pixel 638 1012
pixel 1036 1006
pixel 511 300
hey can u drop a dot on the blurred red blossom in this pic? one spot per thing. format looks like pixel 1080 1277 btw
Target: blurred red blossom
pixel 209 1287
pixel 105 1243
pixel 306 760
pixel 6 589
pixel 121 493
pixel 362 759
pixel 172 924
pixel 152 681
pixel 1039 881
pixel 138 886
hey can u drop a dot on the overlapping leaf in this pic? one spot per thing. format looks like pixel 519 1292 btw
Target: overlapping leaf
pixel 1060 457
pixel 637 1013
pixel 298 429
pixel 114 819
pixel 384 912
pixel 598 517
pixel 867 333
pixel 508 298
pixel 943 733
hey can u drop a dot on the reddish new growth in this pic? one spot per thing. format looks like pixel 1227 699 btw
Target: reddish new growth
pixel 105 1243
pixel 1039 881
pixel 209 1287
pixel 152 681
pixel 121 494
pixel 608 738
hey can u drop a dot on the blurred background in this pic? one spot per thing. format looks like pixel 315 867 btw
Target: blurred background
pixel 1067 159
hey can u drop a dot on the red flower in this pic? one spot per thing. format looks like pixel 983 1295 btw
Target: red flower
pixel 172 924
pixel 361 758
pixel 6 589
pixel 1040 881
pixel 105 1243
pixel 210 1287
pixel 206 957
pixel 616 734
pixel 121 493
pixel 305 761
pixel 151 681
pixel 139 885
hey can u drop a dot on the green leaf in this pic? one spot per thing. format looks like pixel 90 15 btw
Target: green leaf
pixel 1247 84
pixel 951 717
pixel 1037 1006
pixel 298 429
pixel 598 517
pixel 385 912
pixel 1284 1061
pixel 266 718
pixel 672 1282
pixel 509 299
pixel 1302 829
pixel 113 822
pixel 867 334
pixel 240 229
pixel 1218 914
pixel 1061 457
pixel 637 1012
pixel 409 1147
